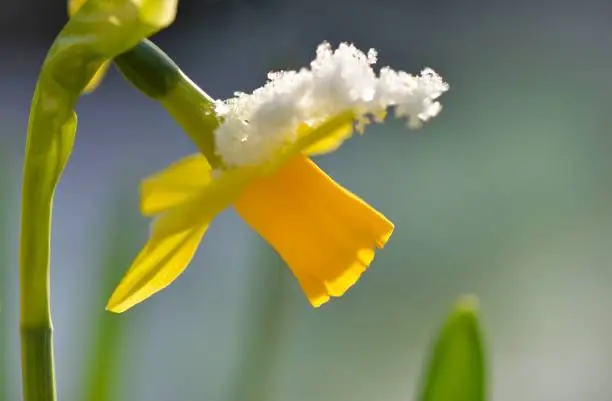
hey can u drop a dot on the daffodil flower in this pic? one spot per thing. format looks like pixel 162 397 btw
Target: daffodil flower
pixel 325 234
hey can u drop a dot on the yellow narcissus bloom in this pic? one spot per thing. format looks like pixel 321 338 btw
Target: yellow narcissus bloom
pixel 325 234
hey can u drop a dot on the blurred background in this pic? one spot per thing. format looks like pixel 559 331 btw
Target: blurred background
pixel 507 195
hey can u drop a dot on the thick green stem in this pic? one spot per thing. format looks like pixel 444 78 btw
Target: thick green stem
pixel 36 327
pixel 37 363
pixel 96 34
pixel 5 268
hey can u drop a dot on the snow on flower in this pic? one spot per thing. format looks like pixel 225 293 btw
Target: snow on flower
pixel 256 125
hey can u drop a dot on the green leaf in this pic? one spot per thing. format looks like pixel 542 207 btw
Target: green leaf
pixel 456 368
pixel 255 374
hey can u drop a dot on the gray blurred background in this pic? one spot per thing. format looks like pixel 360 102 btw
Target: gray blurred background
pixel 506 195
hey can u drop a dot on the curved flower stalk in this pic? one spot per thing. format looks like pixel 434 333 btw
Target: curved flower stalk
pixel 96 79
pixel 99 31
pixel 255 158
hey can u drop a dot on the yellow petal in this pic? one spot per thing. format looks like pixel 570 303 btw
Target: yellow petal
pixel 177 184
pixel 324 233
pixel 174 240
pixel 96 80
pixel 331 142
pixel 74 6
pixel 177 231
pixel 329 134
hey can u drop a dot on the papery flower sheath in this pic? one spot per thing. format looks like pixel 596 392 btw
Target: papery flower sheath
pixel 325 234
pixel 73 7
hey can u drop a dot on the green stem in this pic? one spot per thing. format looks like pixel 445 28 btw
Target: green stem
pixel 4 273
pixel 36 327
pixel 96 34
pixel 154 74
pixel 37 363
pixel 195 112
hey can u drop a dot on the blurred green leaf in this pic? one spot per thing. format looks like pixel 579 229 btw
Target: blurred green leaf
pixel 104 365
pixel 255 369
pixel 456 369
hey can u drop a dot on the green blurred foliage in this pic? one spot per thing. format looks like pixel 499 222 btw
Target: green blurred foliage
pixel 456 370
pixel 261 343
pixel 103 366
